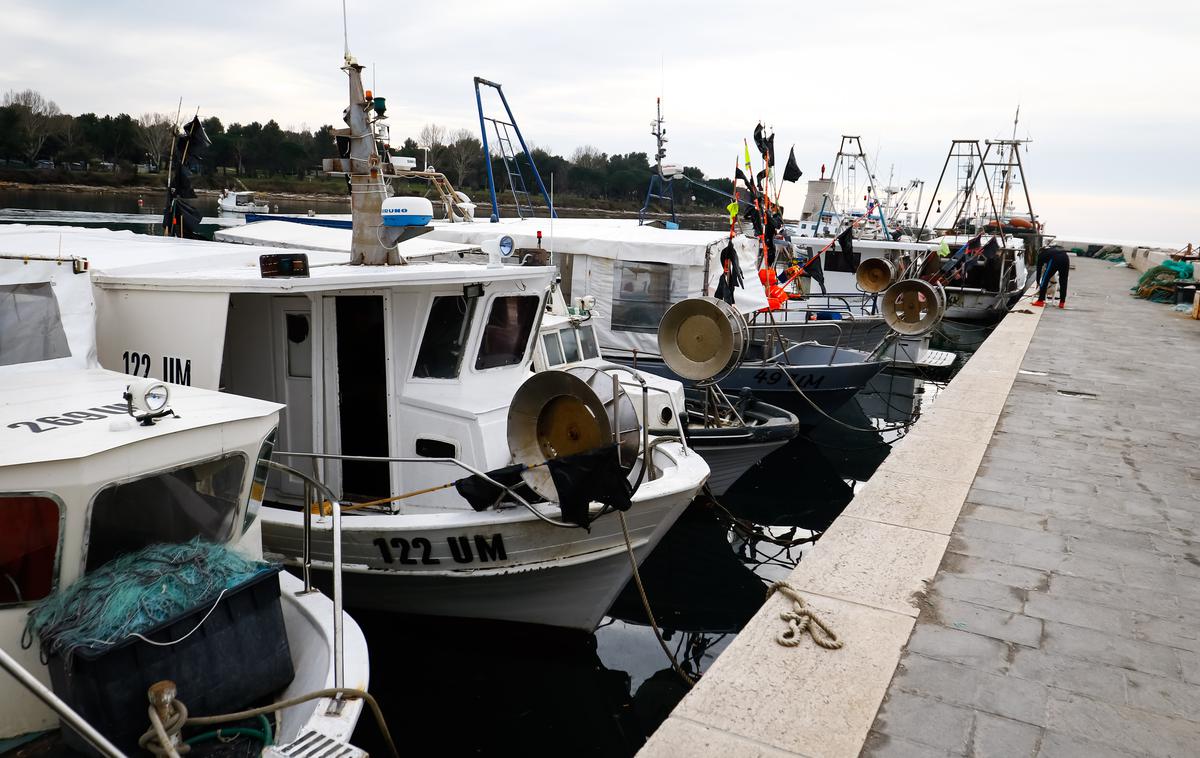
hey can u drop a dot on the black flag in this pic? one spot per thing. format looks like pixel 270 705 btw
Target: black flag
pixel 195 141
pixel 771 150
pixel 759 140
pixel 792 172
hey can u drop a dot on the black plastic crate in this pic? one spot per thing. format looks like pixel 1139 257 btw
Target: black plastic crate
pixel 238 657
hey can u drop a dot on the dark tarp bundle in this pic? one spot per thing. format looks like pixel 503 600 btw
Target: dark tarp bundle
pixel 595 475
pixel 482 494
pixel 180 219
pixel 194 141
pixel 792 172
pixel 731 274
pixel 991 248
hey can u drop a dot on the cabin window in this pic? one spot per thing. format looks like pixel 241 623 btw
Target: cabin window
pixel 28 547
pixel 196 500
pixel 299 346
pixel 445 337
pixel 31 327
pixel 641 295
pixel 587 342
pixel 554 352
pixel 507 330
pixel 570 343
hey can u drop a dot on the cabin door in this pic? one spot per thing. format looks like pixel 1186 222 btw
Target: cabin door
pixel 292 320
pixel 362 396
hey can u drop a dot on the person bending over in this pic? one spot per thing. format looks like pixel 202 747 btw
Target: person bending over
pixel 1053 260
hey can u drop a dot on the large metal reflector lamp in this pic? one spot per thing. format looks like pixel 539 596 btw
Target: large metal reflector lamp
pixel 912 306
pixel 702 338
pixel 875 275
pixel 555 414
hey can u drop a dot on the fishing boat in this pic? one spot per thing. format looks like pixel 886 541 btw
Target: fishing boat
pixel 731 435
pixel 404 369
pixel 240 203
pixel 95 464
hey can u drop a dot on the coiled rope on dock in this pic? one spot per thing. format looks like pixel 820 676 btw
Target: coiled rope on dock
pixel 801 620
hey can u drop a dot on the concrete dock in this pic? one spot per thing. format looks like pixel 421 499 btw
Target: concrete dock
pixel 1020 578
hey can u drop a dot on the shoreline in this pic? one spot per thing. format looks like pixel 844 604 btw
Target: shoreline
pixel 319 197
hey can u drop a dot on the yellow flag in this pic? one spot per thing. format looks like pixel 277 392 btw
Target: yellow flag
pixel 747 146
pixel 733 211
pixel 944 250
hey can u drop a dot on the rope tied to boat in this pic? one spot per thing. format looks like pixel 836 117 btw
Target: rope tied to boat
pixel 802 620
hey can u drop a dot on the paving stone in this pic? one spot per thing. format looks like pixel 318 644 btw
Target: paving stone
pixel 973 567
pixel 1122 727
pixel 1114 595
pixel 1061 672
pixel 996 737
pixel 1058 745
pixel 1184 635
pixel 1012 535
pixel 880 745
pixel 1103 618
pixel 1003 515
pixel 1088 644
pixel 990 594
pixel 1011 697
pixel 989 622
pixel 925 721
pixel 1165 697
pixel 984 653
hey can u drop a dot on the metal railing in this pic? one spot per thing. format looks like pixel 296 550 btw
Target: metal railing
pixel 72 719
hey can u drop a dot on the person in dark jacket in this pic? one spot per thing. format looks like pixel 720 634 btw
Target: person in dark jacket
pixel 1053 260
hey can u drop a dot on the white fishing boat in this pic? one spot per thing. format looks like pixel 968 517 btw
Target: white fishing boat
pixel 95 463
pixel 731 435
pixel 404 384
pixel 240 202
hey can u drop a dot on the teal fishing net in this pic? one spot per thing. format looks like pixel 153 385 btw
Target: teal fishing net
pixel 134 592
pixel 1159 282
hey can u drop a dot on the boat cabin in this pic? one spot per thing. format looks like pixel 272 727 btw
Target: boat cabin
pixel 80 480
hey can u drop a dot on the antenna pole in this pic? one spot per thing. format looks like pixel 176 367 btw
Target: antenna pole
pixel 345 33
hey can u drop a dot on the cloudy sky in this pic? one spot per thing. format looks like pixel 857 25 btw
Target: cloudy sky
pixel 1108 90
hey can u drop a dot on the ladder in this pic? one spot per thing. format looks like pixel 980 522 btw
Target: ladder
pixel 510 157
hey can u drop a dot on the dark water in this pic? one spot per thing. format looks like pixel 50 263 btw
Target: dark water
pixel 120 210
pixel 465 687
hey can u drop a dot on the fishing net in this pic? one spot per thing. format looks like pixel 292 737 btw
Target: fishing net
pixel 1158 284
pixel 135 592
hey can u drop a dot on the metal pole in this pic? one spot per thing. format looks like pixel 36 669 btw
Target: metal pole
pixel 537 177
pixel 487 156
pixel 73 719
pixel 306 563
pixel 338 657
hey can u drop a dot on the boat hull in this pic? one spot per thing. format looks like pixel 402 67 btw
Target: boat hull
pixel 503 565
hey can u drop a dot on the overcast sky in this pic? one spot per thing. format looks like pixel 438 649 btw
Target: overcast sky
pixel 1108 91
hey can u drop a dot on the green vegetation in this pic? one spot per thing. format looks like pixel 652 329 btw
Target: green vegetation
pixel 41 145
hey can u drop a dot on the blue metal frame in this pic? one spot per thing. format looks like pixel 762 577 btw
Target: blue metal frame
pixel 487 158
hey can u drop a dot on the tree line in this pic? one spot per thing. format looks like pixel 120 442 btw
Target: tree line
pixel 34 132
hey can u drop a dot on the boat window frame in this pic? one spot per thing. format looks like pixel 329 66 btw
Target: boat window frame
pixel 655 269
pixel 468 342
pixel 243 497
pixel 534 331
pixel 546 355
pixel 58 545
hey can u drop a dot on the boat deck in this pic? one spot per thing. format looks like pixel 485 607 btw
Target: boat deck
pixel 1020 576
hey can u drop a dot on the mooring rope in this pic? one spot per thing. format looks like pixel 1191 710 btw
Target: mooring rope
pixel 802 620
pixel 837 421
pixel 637 580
